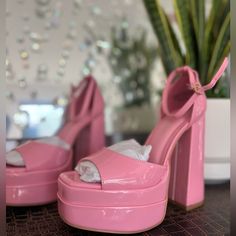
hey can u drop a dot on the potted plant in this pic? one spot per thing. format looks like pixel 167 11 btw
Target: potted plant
pixel 205 42
pixel 131 61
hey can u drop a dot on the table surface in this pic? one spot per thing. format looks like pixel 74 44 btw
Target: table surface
pixel 213 218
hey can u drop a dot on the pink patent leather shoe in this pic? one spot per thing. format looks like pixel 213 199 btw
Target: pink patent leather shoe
pixel 133 194
pixel 35 183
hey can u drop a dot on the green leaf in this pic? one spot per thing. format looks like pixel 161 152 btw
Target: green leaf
pixel 224 54
pixel 187 30
pixel 212 28
pixel 222 43
pixel 220 17
pixel 197 12
pixel 170 56
pixel 201 35
pixel 175 40
pixel 217 6
pixel 194 15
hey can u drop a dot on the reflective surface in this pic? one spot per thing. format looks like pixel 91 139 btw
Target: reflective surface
pixel 211 219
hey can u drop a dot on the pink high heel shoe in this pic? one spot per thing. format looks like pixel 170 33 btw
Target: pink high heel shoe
pixel 35 183
pixel 133 194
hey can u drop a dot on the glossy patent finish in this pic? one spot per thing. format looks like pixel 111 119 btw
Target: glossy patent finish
pixel 36 183
pixel 187 174
pixel 120 172
pixel 42 155
pixel 25 187
pixel 132 195
pixel 72 190
pixel 113 219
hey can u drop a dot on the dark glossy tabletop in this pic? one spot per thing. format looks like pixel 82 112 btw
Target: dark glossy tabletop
pixel 213 218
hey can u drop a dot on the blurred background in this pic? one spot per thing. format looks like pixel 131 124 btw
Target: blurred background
pixel 52 44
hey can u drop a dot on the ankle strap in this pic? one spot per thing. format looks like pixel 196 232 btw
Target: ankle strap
pixel 217 75
pixel 170 82
pixel 194 85
pixel 194 80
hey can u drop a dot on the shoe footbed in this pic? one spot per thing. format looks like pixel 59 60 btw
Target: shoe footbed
pixel 72 178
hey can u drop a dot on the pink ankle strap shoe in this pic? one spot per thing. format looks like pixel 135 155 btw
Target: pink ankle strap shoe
pixel 133 194
pixel 35 183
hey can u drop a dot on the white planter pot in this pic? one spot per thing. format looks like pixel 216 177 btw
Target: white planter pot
pixel 217 140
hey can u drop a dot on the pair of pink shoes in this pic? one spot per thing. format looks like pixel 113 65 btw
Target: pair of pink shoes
pixel 132 196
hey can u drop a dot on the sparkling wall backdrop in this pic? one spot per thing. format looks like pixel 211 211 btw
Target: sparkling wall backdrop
pixel 54 43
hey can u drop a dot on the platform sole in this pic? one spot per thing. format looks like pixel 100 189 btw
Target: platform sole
pixel 119 220
pixel 31 195
pixel 34 188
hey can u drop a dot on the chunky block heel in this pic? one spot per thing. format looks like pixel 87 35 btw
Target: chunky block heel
pixel 186 187
pixel 90 139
